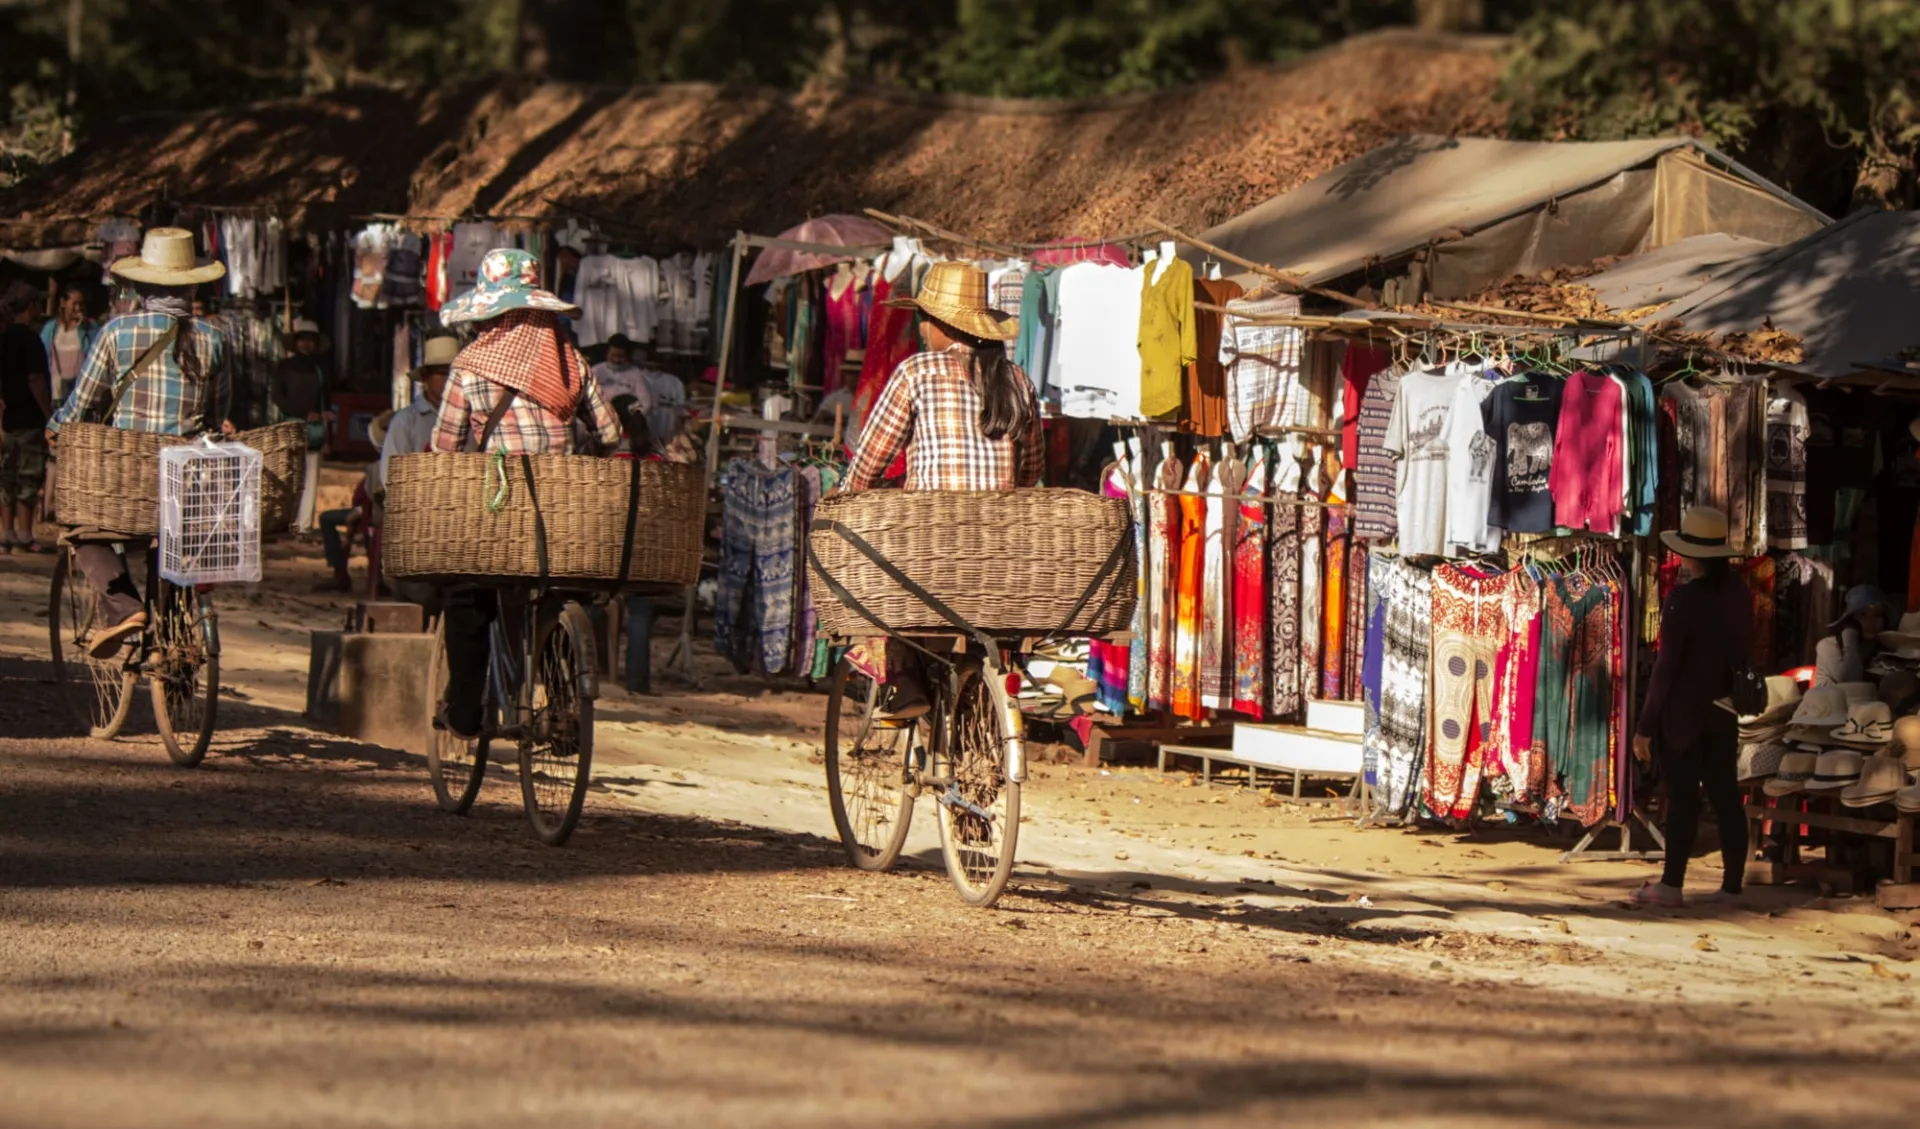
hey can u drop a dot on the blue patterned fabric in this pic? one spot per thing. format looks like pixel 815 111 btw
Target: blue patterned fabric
pixel 753 618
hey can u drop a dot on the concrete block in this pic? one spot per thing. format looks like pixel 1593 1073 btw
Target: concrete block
pixel 389 617
pixel 372 688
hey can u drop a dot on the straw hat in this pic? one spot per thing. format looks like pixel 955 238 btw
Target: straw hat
pixel 1906 740
pixel 1822 706
pixel 438 352
pixel 1880 779
pixel 1868 725
pixel 509 280
pixel 1792 775
pixel 1906 637
pixel 1783 694
pixel 956 294
pixel 1702 534
pixel 1760 760
pixel 1836 769
pixel 377 430
pixel 166 259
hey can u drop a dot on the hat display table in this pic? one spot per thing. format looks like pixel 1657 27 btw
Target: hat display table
pixel 1791 815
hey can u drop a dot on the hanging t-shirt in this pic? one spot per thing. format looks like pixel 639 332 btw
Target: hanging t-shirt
pixel 1588 471
pixel 1522 416
pixel 471 242
pixel 1787 469
pixel 1470 463
pixel 1417 436
pixel 1264 366
pixel 1096 356
pixel 1376 486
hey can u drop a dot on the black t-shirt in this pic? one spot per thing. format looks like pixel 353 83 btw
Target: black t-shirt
pixel 1522 417
pixel 23 367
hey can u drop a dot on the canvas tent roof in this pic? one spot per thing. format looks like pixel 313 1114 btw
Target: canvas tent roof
pixel 1674 271
pixel 1850 292
pixel 1491 209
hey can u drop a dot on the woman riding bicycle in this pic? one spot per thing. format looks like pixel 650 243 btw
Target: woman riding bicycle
pixel 516 389
pixel 966 418
pixel 177 382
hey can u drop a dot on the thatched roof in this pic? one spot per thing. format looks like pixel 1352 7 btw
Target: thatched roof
pixel 688 164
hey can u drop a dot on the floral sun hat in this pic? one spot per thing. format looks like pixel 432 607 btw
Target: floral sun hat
pixel 509 280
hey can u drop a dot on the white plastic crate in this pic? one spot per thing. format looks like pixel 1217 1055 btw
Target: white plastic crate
pixel 210 513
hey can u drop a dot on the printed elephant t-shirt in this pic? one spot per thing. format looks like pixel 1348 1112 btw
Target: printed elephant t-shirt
pixel 1522 416
pixel 1417 438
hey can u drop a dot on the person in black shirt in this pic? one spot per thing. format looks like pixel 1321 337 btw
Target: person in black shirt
pixel 26 400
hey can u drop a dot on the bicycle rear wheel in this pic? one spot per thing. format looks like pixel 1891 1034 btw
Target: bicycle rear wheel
pixel 457 767
pixel 183 672
pixel 867 765
pixel 979 807
pixel 556 754
pixel 97 695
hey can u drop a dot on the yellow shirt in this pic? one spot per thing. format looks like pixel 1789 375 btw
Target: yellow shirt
pixel 1166 336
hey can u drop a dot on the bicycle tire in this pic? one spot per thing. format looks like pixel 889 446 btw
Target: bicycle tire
pixel 886 819
pixel 971 756
pixel 556 755
pixel 97 695
pixel 183 672
pixel 457 768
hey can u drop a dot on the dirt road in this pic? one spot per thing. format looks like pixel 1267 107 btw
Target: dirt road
pixel 291 935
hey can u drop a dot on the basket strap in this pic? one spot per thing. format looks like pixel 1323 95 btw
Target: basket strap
pixel 146 355
pixel 539 522
pixel 633 519
pixel 940 609
pixel 1098 582
pixel 847 598
pixel 496 415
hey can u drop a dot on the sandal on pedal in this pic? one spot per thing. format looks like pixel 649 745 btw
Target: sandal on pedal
pixel 105 644
pixel 905 702
pixel 441 724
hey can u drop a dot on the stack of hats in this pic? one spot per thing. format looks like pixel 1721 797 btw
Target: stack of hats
pixel 1822 713
pixel 1763 736
pixel 1906 746
pixel 1869 727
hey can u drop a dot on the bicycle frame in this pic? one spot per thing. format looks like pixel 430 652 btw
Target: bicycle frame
pixel 509 686
pixel 1012 722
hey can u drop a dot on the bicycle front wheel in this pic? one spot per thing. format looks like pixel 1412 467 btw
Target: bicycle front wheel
pixel 97 694
pixel 556 754
pixel 979 807
pixel 457 767
pixel 183 672
pixel 866 772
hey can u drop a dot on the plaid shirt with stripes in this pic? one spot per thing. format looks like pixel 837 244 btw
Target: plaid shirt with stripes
pixel 931 411
pixel 526 429
pixel 188 386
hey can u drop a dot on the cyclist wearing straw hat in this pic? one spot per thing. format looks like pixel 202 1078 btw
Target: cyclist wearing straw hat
pixel 183 384
pixel 964 415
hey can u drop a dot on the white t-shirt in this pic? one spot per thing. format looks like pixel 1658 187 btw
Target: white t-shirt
pixel 1418 434
pixel 624 380
pixel 669 405
pixel 1096 353
pixel 1470 470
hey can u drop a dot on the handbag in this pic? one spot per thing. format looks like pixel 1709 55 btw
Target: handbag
pixel 1747 691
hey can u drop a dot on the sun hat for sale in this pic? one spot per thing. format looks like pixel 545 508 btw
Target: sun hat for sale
pixel 438 352
pixel 1880 779
pixel 1836 769
pixel 1702 534
pixel 1761 734
pixel 1860 597
pixel 1868 725
pixel 1815 737
pixel 956 293
pixel 166 259
pixel 1823 705
pixel 1760 760
pixel 1792 775
pixel 1783 694
pixel 1908 798
pixel 1906 740
pixel 509 280
pixel 1906 637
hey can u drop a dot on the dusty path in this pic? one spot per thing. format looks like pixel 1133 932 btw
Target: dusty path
pixel 291 935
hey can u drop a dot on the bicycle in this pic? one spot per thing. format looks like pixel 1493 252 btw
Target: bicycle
pixel 548 716
pixel 967 751
pixel 178 651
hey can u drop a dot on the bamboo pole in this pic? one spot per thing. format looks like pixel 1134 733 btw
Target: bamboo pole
pixel 1288 279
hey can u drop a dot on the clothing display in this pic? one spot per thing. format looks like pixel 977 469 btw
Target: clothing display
pixel 1167 342
pixel 1096 351
pixel 753 617
pixel 1417 436
pixel 1205 407
pixel 1522 417
pixel 1264 385
pixel 1588 474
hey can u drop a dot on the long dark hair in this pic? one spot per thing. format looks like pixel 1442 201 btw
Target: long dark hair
pixel 1006 409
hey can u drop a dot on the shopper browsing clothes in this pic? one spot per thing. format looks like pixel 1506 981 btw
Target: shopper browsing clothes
pixel 1704 640
pixel 67 337
pixel 516 389
pixel 25 400
pixel 966 418
pixel 179 383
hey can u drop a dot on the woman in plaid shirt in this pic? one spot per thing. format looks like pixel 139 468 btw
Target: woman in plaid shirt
pixel 522 377
pixel 965 417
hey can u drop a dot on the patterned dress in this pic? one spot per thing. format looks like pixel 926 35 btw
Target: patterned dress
pixel 1216 586
pixel 1406 644
pixel 1250 598
pixel 1188 596
pixel 1283 576
pixel 1165 560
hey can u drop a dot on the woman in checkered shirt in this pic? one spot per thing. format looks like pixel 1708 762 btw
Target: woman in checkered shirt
pixel 964 416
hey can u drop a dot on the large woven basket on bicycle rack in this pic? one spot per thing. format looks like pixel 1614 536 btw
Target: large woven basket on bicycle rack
pixel 110 477
pixel 473 515
pixel 1006 561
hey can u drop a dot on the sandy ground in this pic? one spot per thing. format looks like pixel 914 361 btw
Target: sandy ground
pixel 292 934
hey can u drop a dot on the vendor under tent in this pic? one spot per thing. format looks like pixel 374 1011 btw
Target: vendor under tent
pixel 1443 217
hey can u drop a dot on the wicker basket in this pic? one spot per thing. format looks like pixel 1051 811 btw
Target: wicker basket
pixel 1010 562
pixel 448 516
pixel 110 477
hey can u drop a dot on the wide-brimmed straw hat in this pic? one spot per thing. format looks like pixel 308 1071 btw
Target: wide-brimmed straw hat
pixel 1906 740
pixel 1759 760
pixel 1783 694
pixel 1905 637
pixel 1880 779
pixel 1823 705
pixel 955 294
pixel 1836 769
pixel 1792 775
pixel 1869 725
pixel 438 352
pixel 1702 534
pixel 166 259
pixel 377 430
pixel 509 280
